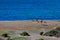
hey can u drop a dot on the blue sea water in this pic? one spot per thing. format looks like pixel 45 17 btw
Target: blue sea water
pixel 29 9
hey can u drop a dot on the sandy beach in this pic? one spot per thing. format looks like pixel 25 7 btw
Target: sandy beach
pixel 28 25
pixel 31 26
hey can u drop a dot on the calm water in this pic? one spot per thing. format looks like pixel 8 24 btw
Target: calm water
pixel 29 9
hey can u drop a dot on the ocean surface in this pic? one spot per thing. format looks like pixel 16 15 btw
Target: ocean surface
pixel 29 9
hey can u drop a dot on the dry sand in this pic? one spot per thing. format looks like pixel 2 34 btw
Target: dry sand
pixel 31 26
pixel 28 25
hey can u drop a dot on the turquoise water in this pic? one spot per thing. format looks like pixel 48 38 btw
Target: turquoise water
pixel 29 9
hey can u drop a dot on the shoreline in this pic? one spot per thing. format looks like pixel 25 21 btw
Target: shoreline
pixel 28 20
